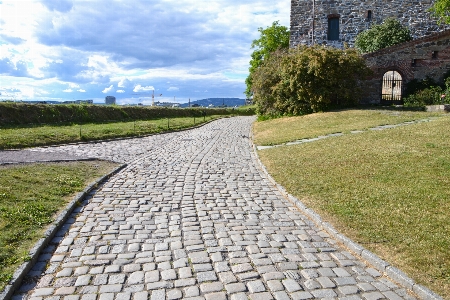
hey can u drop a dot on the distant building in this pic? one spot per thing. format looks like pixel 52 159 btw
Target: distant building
pixel 78 102
pixel 110 100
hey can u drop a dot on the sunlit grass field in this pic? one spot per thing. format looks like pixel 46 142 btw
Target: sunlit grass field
pixel 387 190
pixel 31 136
pixel 278 131
pixel 30 197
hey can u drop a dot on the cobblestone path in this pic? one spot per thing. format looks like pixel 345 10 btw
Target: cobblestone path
pixel 193 217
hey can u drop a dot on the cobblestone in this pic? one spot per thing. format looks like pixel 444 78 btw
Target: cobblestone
pixel 192 216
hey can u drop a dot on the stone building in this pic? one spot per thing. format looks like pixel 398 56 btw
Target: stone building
pixel 395 66
pixel 335 22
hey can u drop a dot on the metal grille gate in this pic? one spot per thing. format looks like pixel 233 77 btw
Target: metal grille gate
pixel 392 88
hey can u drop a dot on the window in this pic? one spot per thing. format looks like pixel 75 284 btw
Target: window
pixel 333 28
pixel 434 54
pixel 369 16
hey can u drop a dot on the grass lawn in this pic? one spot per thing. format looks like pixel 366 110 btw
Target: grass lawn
pixel 30 198
pixel 278 131
pixel 387 190
pixel 30 136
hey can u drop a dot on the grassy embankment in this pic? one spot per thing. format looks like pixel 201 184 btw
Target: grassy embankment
pixel 387 190
pixel 30 198
pixel 25 125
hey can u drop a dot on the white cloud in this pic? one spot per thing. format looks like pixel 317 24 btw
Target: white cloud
pixel 68 91
pixel 120 91
pixel 81 91
pixel 124 83
pixel 139 88
pixel 73 85
pixel 172 89
pixel 108 89
pixel 195 45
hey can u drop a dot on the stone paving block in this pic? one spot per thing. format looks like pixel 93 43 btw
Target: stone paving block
pixel 191 291
pixel 158 295
pixel 174 294
pixel 239 296
pixel 216 296
pixel 110 288
pixel 301 296
pixel 211 287
pixel 232 288
pixel 261 296
pixel 206 276
pixel 168 274
pixel 275 285
pixel 281 295
pixel 227 277
pixel 256 286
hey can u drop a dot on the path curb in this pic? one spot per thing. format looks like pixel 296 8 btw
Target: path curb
pixel 24 268
pixel 379 264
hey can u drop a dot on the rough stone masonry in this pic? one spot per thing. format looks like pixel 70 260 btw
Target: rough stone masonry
pixel 350 17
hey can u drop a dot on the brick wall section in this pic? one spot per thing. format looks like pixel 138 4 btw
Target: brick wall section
pixel 400 58
pixel 353 18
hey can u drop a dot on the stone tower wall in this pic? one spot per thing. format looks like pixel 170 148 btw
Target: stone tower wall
pixel 354 18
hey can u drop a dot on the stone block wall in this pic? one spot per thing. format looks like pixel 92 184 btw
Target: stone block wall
pixel 354 17
pixel 417 59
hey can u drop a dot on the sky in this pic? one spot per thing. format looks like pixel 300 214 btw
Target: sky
pixel 89 49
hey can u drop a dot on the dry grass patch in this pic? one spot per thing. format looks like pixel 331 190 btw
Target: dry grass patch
pixel 30 198
pixel 278 131
pixel 387 190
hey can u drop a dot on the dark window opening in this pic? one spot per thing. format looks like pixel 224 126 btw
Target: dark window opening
pixel 413 62
pixel 369 15
pixel 333 29
pixel 434 54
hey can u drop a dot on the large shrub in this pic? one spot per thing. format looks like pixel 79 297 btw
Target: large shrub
pixel 308 79
pixel 379 36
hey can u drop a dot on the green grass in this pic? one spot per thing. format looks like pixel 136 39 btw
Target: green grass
pixel 387 190
pixel 30 197
pixel 278 131
pixel 29 136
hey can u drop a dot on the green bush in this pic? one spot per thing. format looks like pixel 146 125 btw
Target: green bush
pixel 390 32
pixel 23 113
pixel 308 79
pixel 427 96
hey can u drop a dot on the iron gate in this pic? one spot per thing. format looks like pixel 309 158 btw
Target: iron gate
pixel 391 92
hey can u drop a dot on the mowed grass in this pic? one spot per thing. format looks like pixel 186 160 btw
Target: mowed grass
pixel 279 131
pixel 30 197
pixel 387 190
pixel 40 135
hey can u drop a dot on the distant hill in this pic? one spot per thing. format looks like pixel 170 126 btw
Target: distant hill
pixel 229 102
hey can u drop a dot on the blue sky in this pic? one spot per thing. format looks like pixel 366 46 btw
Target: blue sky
pixel 89 49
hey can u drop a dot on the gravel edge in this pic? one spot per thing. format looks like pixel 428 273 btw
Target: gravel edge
pixel 23 269
pixel 379 264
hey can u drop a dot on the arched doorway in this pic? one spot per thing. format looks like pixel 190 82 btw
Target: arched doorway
pixel 391 91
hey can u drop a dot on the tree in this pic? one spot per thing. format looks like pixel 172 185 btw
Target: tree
pixel 308 79
pixel 272 38
pixel 441 9
pixel 379 36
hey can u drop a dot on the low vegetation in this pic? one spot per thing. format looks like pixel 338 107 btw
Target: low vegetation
pixel 387 190
pixel 23 136
pixel 308 79
pixel 14 113
pixel 420 93
pixel 278 131
pixel 30 197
